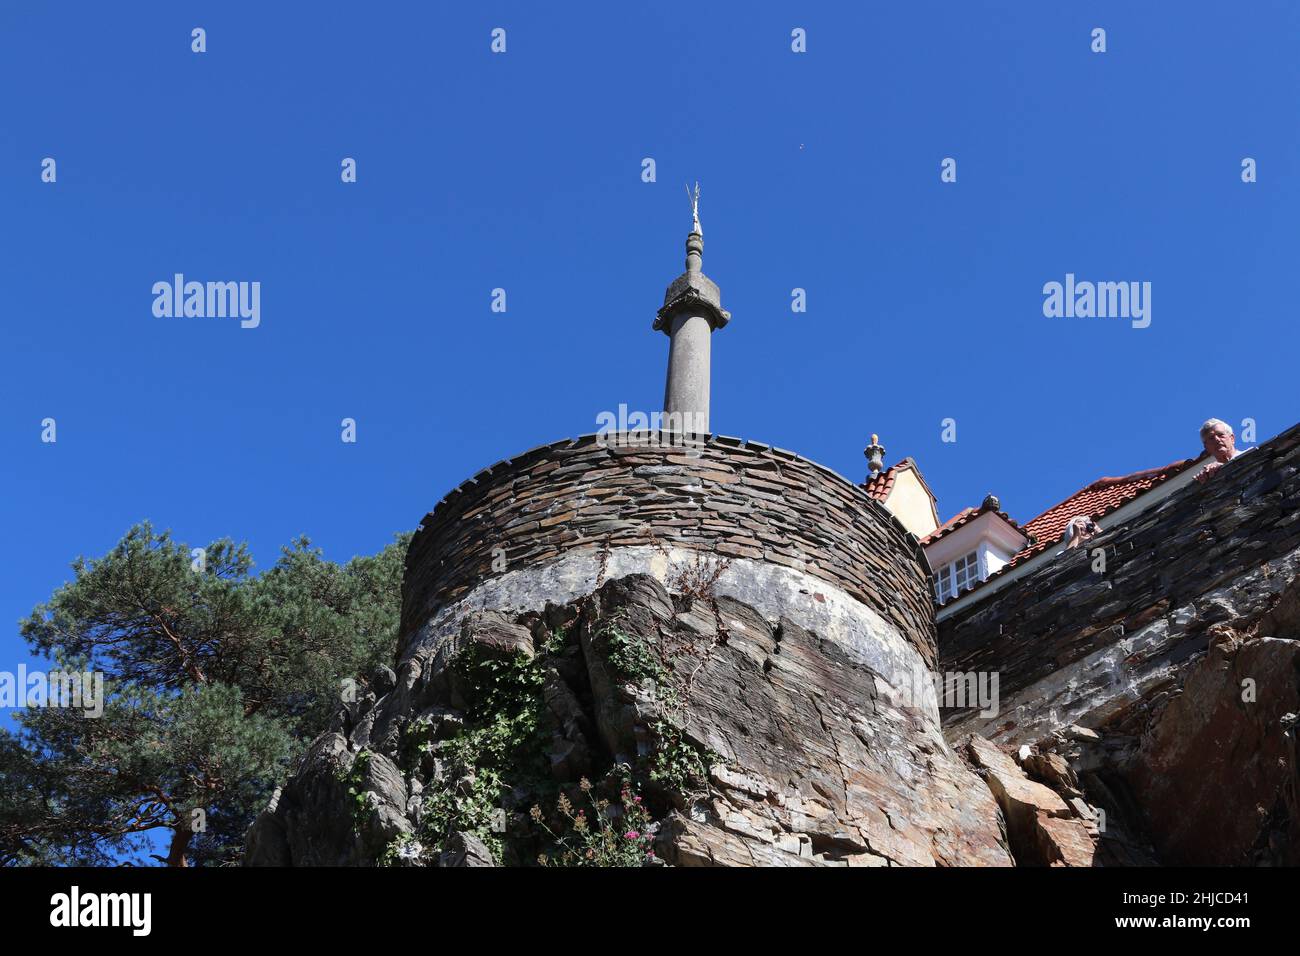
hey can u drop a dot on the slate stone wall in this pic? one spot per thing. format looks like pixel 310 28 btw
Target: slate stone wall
pixel 1200 538
pixel 727 497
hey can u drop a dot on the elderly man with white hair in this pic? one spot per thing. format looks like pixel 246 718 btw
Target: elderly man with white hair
pixel 1221 443
pixel 1079 530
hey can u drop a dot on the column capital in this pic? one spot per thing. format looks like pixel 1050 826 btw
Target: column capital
pixel 696 293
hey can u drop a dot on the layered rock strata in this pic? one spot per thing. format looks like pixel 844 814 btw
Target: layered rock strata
pixel 748 742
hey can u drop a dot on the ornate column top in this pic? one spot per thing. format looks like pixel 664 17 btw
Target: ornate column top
pixel 693 290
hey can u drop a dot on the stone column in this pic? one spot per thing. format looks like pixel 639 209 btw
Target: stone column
pixel 691 312
pixel 686 395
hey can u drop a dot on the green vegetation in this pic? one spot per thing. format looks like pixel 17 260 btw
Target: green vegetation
pixel 215 678
pixel 675 763
pixel 634 659
pixel 606 838
pixel 501 745
pixel 355 779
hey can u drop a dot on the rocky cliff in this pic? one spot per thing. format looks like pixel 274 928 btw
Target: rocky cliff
pixel 701 660
pixel 1173 640
pixel 699 646
pixel 740 741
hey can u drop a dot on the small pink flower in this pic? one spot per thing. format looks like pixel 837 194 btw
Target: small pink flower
pixel 637 800
pixel 632 835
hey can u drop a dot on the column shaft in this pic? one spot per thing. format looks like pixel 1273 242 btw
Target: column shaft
pixel 686 394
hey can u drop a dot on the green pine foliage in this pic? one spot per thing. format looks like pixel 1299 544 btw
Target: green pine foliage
pixel 215 680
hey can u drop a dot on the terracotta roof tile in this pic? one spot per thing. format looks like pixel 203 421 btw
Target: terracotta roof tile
pixel 1095 501
pixel 880 485
pixel 963 517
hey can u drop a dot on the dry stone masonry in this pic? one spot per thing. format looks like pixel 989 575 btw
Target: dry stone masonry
pixel 739 500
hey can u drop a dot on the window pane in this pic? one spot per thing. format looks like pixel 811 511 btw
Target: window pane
pixel 966 571
pixel 943 583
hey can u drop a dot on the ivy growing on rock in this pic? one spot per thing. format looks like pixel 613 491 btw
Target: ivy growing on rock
pixel 675 763
pixel 500 747
pixel 634 660
pixel 360 797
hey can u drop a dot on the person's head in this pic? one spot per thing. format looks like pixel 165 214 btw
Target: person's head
pixel 1080 529
pixel 1218 439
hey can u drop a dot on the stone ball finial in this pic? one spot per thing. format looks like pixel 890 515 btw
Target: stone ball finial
pixel 875 453
pixel 991 503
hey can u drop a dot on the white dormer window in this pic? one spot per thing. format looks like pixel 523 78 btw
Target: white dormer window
pixel 966 571
pixel 971 548
pixel 958 576
pixel 943 583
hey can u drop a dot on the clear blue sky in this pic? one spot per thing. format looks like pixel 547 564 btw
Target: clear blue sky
pixel 522 171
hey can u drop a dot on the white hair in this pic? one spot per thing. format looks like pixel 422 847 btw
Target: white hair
pixel 1076 527
pixel 1212 425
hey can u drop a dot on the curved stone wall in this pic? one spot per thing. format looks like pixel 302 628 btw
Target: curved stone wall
pixel 586 502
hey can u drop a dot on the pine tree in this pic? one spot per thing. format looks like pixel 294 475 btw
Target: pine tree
pixel 215 678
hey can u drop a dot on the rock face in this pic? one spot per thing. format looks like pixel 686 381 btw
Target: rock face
pixel 1044 829
pixel 1216 773
pixel 622 657
pixel 1168 682
pixel 716 736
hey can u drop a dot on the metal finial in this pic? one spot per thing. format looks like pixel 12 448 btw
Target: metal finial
pixel 695 207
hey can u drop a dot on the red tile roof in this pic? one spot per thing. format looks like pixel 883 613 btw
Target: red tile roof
pixel 1094 501
pixel 882 483
pixel 964 516
pixel 952 522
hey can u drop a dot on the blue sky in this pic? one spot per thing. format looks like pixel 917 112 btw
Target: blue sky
pixel 523 171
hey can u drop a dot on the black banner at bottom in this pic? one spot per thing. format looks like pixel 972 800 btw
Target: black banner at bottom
pixel 337 906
